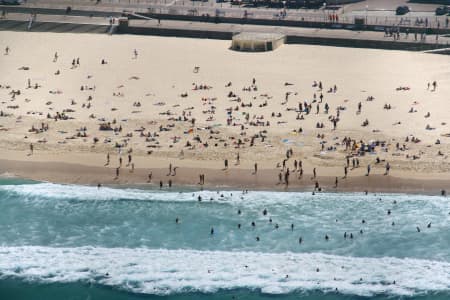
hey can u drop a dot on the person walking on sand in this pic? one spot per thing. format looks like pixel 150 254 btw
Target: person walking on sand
pixel 117 173
pixel 107 159
pixel 150 175
pixel 256 168
pixel 31 149
pixel 368 170
pixel 7 50
pixel 388 168
pixel 225 162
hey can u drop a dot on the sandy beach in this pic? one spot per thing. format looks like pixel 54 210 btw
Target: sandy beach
pixel 67 100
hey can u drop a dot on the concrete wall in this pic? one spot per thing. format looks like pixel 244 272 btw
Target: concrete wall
pixel 337 42
pixel 217 35
pixel 12 25
pixel 90 28
pixel 290 23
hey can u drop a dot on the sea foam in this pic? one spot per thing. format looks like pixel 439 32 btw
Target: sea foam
pixel 81 192
pixel 163 272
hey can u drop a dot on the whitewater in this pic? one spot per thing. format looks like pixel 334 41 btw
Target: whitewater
pixel 182 243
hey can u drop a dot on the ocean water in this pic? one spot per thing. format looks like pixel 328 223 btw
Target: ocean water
pixel 80 242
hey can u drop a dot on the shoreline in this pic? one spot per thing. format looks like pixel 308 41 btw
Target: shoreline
pixel 216 179
pixel 197 112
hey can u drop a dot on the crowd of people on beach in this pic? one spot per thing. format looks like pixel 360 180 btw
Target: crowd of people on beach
pixel 247 125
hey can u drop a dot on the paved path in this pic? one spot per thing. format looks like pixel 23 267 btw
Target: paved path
pixel 235 28
pixel 380 12
pixel 299 31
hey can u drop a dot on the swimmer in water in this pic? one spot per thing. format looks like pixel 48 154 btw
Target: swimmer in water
pixel 239 226
pixel 300 240
pixel 265 212
pixel 292 227
pixel 326 237
pixel 177 220
pixel 212 231
pixel 199 198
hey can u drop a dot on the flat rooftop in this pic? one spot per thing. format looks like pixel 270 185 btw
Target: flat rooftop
pixel 258 36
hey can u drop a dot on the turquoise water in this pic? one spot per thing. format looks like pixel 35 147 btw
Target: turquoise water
pixel 79 242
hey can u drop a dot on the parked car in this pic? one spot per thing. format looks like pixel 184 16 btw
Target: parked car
pixel 442 10
pixel 10 2
pixel 402 10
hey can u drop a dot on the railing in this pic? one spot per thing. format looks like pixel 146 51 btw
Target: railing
pixel 211 8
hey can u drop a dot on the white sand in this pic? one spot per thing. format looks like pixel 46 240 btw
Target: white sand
pixel 165 66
